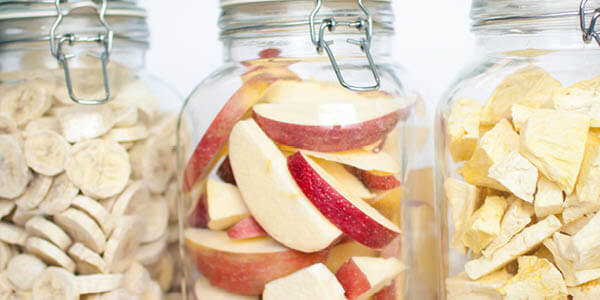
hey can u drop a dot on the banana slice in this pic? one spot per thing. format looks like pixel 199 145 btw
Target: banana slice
pixel 154 163
pixel 150 253
pixel 108 203
pixel 98 283
pixel 14 173
pixel 21 216
pixel 127 134
pixel 100 168
pixel 6 207
pixel 87 261
pixel 96 211
pixel 156 218
pixel 49 253
pixel 40 227
pixel 80 123
pixel 153 292
pixel 7 124
pixel 6 287
pixel 60 196
pixel 136 279
pixel 120 294
pixel 82 228
pixel 55 283
pixel 6 253
pixel 23 270
pixel 126 116
pixel 162 271
pixel 35 192
pixel 43 123
pixel 12 234
pixel 165 128
pixel 136 94
pixel 46 152
pixel 22 295
pixel 25 102
pixel 123 242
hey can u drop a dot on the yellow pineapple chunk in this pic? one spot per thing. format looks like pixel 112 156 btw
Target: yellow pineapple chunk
pixel 463 200
pixel 537 278
pixel 582 97
pixel 484 225
pixel 588 184
pixel 463 128
pixel 549 198
pixel 517 175
pixel 461 287
pixel 520 115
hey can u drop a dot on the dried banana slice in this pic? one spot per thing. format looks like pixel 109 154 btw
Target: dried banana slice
pixel 6 287
pixel 153 292
pixel 14 173
pixel 43 123
pixel 7 124
pixel 156 218
pixel 6 207
pixel 136 94
pixel 56 283
pixel 21 216
pixel 80 123
pixel 100 168
pixel 25 102
pixel 46 152
pixel 82 228
pixel 136 279
pixel 35 192
pixel 136 195
pixel 126 116
pixel 23 270
pixel 60 196
pixel 154 162
pixel 127 134
pixel 12 234
pixel 96 211
pixel 98 283
pixel 49 253
pixel 124 241
pixel 150 253
pixel 88 261
pixel 6 253
pixel 40 227
pixel 162 271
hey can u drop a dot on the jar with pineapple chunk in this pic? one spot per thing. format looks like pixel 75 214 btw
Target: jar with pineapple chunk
pixel 517 157
pixel 88 192
pixel 301 149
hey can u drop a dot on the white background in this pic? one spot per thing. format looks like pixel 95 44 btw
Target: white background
pixel 432 41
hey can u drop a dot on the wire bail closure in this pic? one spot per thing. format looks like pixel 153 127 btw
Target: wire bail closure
pixel 589 32
pixel 364 43
pixel 105 39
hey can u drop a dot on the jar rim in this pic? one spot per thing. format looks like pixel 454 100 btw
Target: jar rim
pixel 226 3
pixel 24 9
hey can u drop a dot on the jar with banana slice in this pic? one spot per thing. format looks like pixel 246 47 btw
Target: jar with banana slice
pixel 88 192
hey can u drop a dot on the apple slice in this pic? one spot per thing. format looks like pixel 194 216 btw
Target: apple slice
pixel 376 180
pixel 360 159
pixel 243 266
pixel 199 216
pixel 351 184
pixel 389 292
pixel 225 172
pixel 281 72
pixel 271 194
pixel 315 282
pixel 340 253
pixel 225 205
pixel 328 127
pixel 362 277
pixel 388 204
pixel 293 91
pixel 204 290
pixel 245 229
pixel 353 216
pixel 208 150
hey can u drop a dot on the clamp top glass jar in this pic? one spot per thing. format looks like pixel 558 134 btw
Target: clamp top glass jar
pixel 300 154
pixel 87 154
pixel 517 149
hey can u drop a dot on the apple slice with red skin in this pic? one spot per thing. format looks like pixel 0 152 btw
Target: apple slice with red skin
pixel 280 72
pixel 225 172
pixel 328 127
pixel 271 194
pixel 244 266
pixel 376 180
pixel 219 207
pixel 362 277
pixel 207 151
pixel 246 229
pixel 199 216
pixel 204 290
pixel 310 91
pixel 352 215
pixel 387 293
pixel 341 252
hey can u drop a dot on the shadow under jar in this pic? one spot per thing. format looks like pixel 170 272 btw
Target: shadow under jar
pixel 517 151
pixel 296 177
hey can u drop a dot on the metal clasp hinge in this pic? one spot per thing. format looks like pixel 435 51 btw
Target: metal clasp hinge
pixel 364 43
pixel 105 39
pixel 588 32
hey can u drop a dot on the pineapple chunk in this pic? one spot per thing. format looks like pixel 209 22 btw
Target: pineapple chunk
pixel 530 86
pixel 460 287
pixel 559 247
pixel 520 115
pixel 463 128
pixel 582 97
pixel 575 226
pixel 463 200
pixel 588 291
pixel 537 279
pixel 554 141
pixel 517 175
pixel 586 245
pixel 548 198
pixel 588 184
pixel 575 209
pixel 517 217
pixel 495 145
pixel 520 244
pixel 484 225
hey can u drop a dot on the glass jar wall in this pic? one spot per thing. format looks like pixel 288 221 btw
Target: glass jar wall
pixel 88 193
pixel 294 182
pixel 516 151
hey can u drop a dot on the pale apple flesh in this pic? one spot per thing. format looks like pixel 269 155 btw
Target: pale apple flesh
pixel 362 277
pixel 353 216
pixel 206 154
pixel 224 204
pixel 280 72
pixel 315 282
pixel 244 266
pixel 342 252
pixel 246 229
pixel 204 290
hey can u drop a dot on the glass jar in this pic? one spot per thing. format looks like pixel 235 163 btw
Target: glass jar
pixel 516 150
pixel 88 191
pixel 301 149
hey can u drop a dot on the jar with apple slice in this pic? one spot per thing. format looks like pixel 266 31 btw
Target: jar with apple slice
pixel 302 143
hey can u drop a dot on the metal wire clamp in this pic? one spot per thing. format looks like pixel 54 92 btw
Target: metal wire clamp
pixel 364 43
pixel 105 39
pixel 589 32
